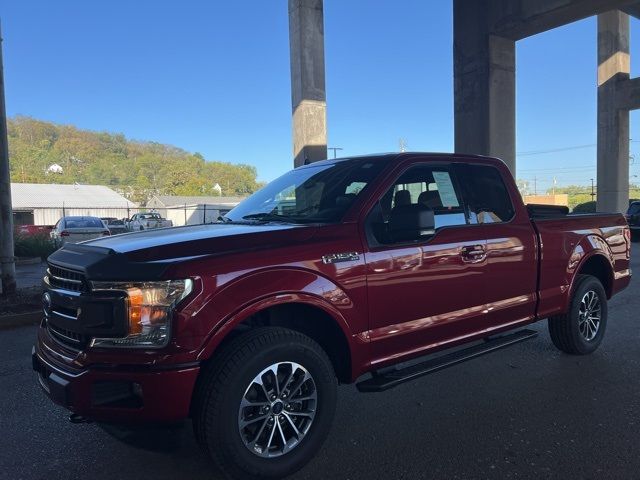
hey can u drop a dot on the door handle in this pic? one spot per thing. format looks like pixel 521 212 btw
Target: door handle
pixel 473 253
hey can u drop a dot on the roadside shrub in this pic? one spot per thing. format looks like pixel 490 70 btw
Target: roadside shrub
pixel 33 246
pixel 590 207
pixel 586 207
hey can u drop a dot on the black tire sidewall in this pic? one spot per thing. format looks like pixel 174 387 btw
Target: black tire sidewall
pixel 226 441
pixel 586 284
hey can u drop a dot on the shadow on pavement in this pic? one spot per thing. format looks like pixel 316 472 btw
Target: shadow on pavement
pixel 162 439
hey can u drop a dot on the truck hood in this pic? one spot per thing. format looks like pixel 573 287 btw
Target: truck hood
pixel 198 239
pixel 149 253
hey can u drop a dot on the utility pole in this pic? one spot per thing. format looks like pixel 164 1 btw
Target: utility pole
pixel 335 149
pixel 593 190
pixel 7 260
pixel 535 185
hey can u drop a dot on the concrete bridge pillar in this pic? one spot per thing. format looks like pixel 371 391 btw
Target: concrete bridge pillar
pixel 484 69
pixel 613 111
pixel 308 97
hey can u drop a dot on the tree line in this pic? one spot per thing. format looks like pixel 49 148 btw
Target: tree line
pixel 137 169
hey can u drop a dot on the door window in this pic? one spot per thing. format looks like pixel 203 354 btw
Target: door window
pixel 421 188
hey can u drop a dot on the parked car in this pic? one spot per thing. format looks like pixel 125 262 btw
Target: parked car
pixel 77 229
pixel 147 221
pixel 34 230
pixel 633 217
pixel 115 225
pixel 248 325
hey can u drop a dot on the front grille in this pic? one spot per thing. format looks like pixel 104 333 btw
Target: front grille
pixel 66 279
pixel 67 337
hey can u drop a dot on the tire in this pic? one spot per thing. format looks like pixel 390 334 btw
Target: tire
pixel 578 332
pixel 232 376
pixel 635 236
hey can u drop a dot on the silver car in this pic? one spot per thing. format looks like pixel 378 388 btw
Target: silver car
pixel 78 229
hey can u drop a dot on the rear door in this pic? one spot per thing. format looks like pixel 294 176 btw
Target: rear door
pixel 428 290
pixel 512 266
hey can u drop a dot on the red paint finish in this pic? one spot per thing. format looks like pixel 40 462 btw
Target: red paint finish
pixel 391 303
pixel 414 298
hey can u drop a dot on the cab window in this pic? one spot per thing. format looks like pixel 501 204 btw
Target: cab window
pixel 486 194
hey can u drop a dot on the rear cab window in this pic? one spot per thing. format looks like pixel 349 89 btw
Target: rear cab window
pixel 486 195
pixel 83 222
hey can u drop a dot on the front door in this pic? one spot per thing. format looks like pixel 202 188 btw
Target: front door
pixel 425 289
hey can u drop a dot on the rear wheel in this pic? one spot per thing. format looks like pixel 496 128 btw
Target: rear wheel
pixel 265 405
pixel 581 330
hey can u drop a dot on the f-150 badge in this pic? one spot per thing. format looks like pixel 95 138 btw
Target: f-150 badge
pixel 340 257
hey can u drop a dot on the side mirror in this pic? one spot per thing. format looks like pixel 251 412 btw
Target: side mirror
pixel 411 222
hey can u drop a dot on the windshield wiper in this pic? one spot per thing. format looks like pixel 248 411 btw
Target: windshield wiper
pixel 223 219
pixel 268 217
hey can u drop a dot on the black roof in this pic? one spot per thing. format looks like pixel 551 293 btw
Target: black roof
pixel 403 156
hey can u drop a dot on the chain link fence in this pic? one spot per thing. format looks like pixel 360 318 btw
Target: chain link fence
pixel 35 217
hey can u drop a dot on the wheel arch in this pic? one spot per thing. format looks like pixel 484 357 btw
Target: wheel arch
pixel 598 265
pixel 299 312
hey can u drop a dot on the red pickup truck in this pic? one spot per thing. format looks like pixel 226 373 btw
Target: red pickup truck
pixel 337 272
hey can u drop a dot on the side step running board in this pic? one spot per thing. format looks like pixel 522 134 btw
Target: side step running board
pixel 393 378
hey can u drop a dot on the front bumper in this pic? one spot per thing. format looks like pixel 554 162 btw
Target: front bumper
pixel 118 394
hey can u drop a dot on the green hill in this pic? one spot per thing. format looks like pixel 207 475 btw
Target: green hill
pixel 136 169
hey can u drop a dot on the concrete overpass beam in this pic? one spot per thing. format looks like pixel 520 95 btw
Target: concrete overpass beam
pixel 613 121
pixel 518 19
pixel 484 85
pixel 628 94
pixel 308 97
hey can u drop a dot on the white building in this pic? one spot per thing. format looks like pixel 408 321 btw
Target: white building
pixel 192 210
pixel 45 204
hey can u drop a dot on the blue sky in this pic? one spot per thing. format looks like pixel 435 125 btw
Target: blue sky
pixel 213 77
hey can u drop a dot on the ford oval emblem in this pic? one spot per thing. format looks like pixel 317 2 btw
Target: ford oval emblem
pixel 46 303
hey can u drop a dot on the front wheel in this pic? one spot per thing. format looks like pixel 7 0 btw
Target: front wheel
pixel 265 404
pixel 581 330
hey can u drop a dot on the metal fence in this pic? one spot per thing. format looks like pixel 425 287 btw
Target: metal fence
pixel 179 215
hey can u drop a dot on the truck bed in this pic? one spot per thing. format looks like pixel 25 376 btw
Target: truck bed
pixel 566 242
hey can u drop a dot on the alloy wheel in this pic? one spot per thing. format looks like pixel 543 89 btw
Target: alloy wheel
pixel 589 315
pixel 277 409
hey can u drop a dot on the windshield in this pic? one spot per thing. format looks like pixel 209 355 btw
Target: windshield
pixel 634 208
pixel 314 194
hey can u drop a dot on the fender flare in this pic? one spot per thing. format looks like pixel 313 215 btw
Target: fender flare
pixel 590 246
pixel 228 323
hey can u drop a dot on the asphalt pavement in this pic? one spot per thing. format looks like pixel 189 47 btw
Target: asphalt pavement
pixel 527 412
pixel 30 275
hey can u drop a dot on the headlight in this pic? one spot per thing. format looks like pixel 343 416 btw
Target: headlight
pixel 150 306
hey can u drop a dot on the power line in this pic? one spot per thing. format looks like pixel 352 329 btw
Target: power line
pixel 557 169
pixel 553 150
pixel 561 149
